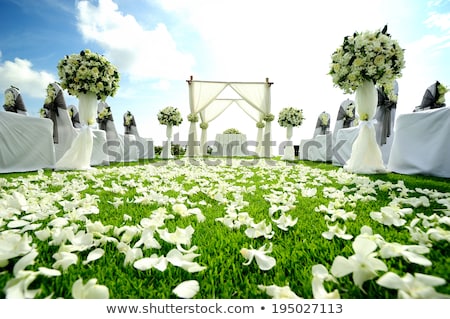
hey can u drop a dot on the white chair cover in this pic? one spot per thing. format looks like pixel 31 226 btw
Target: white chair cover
pixel 63 131
pixel 421 143
pixel 144 145
pixel 115 144
pixel 319 148
pixel 26 143
pixel 74 116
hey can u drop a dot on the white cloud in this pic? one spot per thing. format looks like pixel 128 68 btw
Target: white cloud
pixel 21 74
pixel 141 53
pixel 440 20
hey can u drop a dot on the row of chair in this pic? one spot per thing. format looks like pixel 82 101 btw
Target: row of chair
pixel 30 143
pixel 412 143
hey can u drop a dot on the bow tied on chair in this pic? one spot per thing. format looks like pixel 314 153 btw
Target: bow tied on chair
pixel 53 102
pixel 385 106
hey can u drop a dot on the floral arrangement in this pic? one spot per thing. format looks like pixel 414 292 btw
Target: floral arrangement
pixel 170 116
pixel 290 116
pixel 231 131
pixel 128 119
pixel 192 117
pixel 43 113
pixel 260 124
pixel 367 56
pixel 70 110
pixel 88 72
pixel 104 114
pixel 51 94
pixel 9 99
pixel 350 111
pixel 269 117
pixel 324 118
pixel 442 90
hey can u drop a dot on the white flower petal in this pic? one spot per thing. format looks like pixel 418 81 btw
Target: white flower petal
pixel 187 289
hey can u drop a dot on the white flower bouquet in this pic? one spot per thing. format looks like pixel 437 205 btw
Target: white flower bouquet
pixel 290 116
pixel 231 131
pixel 324 118
pixel 269 117
pixel 193 117
pixel 51 94
pixel 88 72
pixel 170 116
pixel 367 56
pixel 104 114
pixel 441 90
pixel 128 119
pixel 9 99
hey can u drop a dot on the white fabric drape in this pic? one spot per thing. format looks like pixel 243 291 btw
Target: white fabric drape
pixel 203 101
pixel 26 143
pixel 421 143
pixel 201 94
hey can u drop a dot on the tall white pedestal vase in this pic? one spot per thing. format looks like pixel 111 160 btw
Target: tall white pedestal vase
pixel 366 157
pixel 167 148
pixel 78 156
pixel 289 152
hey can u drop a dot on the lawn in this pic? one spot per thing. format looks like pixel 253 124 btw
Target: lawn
pixel 223 229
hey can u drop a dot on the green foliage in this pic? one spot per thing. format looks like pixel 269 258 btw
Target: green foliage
pixel 212 189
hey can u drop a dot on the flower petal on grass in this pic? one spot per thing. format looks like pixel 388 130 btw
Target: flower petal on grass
pixel 94 255
pixel 91 290
pixel 277 292
pixel 187 289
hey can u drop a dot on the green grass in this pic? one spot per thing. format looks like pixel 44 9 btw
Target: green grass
pixel 295 250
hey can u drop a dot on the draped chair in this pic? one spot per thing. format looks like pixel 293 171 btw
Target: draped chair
pixel 56 109
pixel 432 99
pixel 26 143
pixel 421 143
pixel 145 147
pixel 14 102
pixel 385 119
pixel 74 116
pixel 319 148
pixel 115 142
pixel 345 121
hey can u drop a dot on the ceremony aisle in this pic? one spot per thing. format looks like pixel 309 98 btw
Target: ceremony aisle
pixel 225 229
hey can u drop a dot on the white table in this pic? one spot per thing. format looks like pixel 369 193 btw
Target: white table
pixel 230 145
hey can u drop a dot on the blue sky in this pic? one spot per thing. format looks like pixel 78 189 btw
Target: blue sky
pixel 158 44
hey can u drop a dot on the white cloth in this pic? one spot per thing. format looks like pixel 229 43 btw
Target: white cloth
pixel 145 145
pixel 130 147
pixel 365 155
pixel 99 155
pixel 26 143
pixel 318 149
pixel 205 100
pixel 421 143
pixel 343 142
pixel 230 145
pixel 66 133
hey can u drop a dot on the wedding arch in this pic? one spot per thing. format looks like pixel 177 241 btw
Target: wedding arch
pixel 207 104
